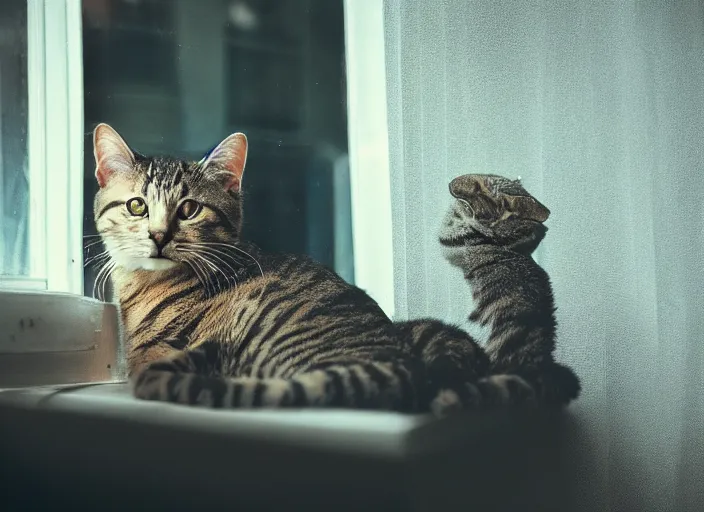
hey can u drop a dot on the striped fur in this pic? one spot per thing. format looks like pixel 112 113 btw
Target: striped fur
pixel 211 321
pixel 490 233
pixel 296 336
pixel 459 371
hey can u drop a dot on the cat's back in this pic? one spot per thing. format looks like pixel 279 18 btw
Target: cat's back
pixel 295 313
pixel 310 281
pixel 286 292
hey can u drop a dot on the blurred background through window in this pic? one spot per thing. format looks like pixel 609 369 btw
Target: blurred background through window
pixel 14 172
pixel 177 76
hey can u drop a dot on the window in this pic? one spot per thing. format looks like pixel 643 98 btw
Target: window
pixel 41 138
pixel 175 77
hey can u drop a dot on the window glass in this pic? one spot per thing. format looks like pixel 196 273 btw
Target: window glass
pixel 14 169
pixel 176 77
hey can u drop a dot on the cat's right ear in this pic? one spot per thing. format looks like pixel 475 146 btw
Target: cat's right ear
pixel 112 154
pixel 228 159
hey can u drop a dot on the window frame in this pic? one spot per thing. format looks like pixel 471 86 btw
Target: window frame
pixel 54 148
pixel 368 136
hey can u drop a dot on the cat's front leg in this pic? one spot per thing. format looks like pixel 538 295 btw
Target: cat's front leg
pixel 151 349
pixel 205 360
pixel 141 356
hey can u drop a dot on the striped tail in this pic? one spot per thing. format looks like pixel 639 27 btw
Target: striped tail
pixel 360 385
pixel 492 392
pixel 552 385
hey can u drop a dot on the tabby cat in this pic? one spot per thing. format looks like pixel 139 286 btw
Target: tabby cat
pixel 490 232
pixel 209 320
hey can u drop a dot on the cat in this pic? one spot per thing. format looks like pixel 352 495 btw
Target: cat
pixel 490 233
pixel 210 320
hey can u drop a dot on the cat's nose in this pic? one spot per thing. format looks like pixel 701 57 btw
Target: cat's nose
pixel 159 237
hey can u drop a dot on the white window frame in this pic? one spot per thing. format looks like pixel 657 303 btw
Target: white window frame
pixel 367 123
pixel 55 148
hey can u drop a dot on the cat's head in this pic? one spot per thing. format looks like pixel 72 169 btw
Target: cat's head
pixel 155 213
pixel 495 209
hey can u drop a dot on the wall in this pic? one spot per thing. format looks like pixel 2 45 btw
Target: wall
pixel 599 107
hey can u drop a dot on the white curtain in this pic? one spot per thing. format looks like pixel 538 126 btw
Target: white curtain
pixel 599 107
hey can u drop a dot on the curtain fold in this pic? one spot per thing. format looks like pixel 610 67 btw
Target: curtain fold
pixel 599 107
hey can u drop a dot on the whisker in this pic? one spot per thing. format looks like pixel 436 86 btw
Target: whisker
pixel 236 258
pixel 231 246
pixel 207 263
pixel 210 257
pixel 103 272
pixel 214 253
pixel 252 257
pixel 106 278
pixel 195 271
pixel 206 253
pixel 201 274
pixel 98 257
pixel 97 278
pixel 105 254
pixel 92 243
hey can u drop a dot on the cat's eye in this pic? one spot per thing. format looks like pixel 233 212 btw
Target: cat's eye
pixel 136 206
pixel 188 209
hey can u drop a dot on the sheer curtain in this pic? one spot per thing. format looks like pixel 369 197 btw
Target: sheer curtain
pixel 599 107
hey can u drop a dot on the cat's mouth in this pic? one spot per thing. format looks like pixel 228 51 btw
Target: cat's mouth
pixel 150 263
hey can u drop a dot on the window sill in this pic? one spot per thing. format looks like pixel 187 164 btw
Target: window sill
pixel 95 445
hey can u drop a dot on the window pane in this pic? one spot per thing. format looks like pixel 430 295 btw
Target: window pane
pixel 176 77
pixel 14 181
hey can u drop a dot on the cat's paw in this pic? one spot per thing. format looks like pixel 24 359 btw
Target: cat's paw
pixel 150 381
pixel 148 384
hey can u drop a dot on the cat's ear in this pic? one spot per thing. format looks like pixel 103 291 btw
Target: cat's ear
pixel 228 159
pixel 527 207
pixel 112 154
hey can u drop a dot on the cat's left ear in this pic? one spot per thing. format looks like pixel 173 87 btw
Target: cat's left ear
pixel 111 152
pixel 228 159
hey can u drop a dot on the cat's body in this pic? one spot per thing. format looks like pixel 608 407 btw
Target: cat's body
pixel 311 349
pixel 280 336
pixel 211 321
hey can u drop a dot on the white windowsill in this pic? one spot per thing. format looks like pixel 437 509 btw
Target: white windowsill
pixel 22 283
pixel 349 458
